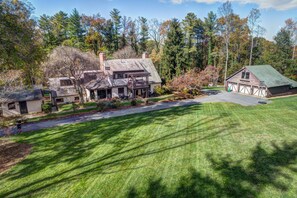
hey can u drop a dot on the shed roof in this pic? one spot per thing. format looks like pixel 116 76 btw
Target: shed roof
pixel 270 76
pixel 22 95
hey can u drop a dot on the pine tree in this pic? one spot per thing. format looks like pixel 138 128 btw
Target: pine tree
pixel 59 23
pixel 132 36
pixel 210 28
pixel 143 34
pixel 76 32
pixel 116 19
pixel 173 61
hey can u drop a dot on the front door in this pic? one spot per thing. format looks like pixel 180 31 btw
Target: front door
pixel 23 107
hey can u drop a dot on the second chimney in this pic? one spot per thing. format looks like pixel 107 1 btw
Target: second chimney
pixel 102 58
pixel 145 55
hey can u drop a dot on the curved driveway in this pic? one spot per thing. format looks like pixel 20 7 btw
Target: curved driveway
pixel 212 97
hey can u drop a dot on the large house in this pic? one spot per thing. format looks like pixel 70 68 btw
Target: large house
pixel 261 81
pixel 114 78
pixel 21 102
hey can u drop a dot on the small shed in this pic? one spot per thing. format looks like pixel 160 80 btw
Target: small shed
pixel 21 102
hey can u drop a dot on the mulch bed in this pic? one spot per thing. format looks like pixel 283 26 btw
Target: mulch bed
pixel 12 153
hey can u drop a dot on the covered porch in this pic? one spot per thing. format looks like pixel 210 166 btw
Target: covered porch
pixel 138 84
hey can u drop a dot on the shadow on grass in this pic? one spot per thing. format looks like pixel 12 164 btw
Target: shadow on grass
pixel 77 142
pixel 239 180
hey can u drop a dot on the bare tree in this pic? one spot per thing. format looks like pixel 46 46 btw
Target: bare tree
pixel 155 32
pixel 253 20
pixel 226 27
pixel 291 26
pixel 71 62
pixel 126 52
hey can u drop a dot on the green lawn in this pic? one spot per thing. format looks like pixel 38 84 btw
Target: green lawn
pixel 210 150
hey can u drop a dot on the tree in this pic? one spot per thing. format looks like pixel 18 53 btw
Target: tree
pixel 155 29
pixel 190 27
pixel 19 40
pixel 143 34
pixel 116 19
pixel 226 27
pixel 75 30
pixel 173 51
pixel 210 28
pixel 291 26
pixel 59 25
pixel 253 20
pixel 132 36
pixel 70 62
pixel 126 52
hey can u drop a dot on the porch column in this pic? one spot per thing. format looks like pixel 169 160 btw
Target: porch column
pixel 96 94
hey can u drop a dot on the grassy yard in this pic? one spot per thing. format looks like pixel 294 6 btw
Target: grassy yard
pixel 209 150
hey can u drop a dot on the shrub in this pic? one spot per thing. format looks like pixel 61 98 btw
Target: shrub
pixel 101 105
pixel 161 90
pixel 133 102
pixel 75 106
pixel 46 107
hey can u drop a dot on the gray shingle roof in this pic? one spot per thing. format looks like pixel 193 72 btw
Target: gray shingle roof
pixel 270 76
pixel 23 95
pixel 134 65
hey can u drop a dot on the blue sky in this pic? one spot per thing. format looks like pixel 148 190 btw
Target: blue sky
pixel 274 12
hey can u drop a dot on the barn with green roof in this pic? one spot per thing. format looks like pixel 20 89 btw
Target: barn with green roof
pixel 261 81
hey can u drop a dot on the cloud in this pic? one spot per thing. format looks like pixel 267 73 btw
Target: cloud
pixel 265 4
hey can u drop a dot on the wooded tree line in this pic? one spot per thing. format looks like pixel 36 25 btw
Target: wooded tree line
pixel 222 39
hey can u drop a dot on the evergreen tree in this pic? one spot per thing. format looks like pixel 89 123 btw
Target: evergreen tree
pixel 189 26
pixel 109 36
pixel 132 36
pixel 59 24
pixel 143 34
pixel 75 30
pixel 46 28
pixel 173 61
pixel 116 19
pixel 210 28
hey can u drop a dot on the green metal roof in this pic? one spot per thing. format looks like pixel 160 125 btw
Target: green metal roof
pixel 270 77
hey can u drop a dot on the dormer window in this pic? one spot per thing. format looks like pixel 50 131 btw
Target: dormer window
pixel 245 75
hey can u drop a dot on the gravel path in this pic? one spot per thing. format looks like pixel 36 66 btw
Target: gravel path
pixel 213 96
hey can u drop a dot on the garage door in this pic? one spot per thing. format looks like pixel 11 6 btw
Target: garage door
pixel 245 89
pixel 232 86
pixel 259 91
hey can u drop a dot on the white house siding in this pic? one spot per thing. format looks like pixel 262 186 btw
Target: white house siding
pixel 115 92
pixel 67 99
pixel 32 106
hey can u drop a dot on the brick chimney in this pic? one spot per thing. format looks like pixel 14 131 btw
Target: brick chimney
pixel 145 55
pixel 102 58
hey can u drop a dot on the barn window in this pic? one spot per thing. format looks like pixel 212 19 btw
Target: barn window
pixel 11 106
pixel 242 74
pixel 247 75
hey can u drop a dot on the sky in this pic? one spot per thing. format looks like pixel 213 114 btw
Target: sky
pixel 273 12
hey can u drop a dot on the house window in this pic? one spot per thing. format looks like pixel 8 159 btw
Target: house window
pixel 76 98
pixel 121 91
pixel 120 76
pixel 59 100
pixel 11 106
pixel 65 83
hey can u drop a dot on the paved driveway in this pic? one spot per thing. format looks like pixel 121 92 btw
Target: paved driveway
pixel 213 97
